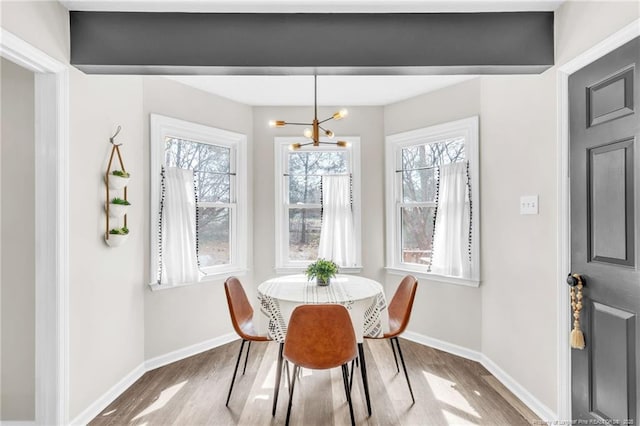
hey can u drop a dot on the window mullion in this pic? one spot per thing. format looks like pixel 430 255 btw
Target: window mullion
pixel 417 204
pixel 304 206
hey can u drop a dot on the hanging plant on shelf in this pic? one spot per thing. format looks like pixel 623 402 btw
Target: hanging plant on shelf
pixel 118 236
pixel 118 207
pixel 118 179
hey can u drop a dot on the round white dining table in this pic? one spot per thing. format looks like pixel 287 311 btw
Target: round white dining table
pixel 363 298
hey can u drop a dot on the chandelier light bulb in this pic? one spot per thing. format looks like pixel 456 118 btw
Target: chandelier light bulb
pixel 343 144
pixel 276 123
pixel 294 147
pixel 329 134
pixel 340 114
pixel 307 133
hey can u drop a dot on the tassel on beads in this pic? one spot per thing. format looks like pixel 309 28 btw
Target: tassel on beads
pixel 577 337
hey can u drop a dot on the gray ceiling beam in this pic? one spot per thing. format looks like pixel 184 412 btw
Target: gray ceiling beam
pixel 308 43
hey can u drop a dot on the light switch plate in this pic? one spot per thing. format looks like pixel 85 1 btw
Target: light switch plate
pixel 529 204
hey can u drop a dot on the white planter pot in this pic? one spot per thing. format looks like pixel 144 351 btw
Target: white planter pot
pixel 117 210
pixel 116 240
pixel 118 182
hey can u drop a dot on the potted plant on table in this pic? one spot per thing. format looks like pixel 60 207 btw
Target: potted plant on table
pixel 322 270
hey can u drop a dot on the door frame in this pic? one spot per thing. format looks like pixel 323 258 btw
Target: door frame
pixel 609 44
pixel 51 84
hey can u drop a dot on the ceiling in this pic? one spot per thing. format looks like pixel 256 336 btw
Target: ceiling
pixel 334 90
pixel 347 90
pixel 313 6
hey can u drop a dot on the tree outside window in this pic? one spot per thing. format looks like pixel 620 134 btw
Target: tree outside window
pixel 218 159
pixel 305 171
pixel 211 165
pixel 298 180
pixel 432 181
pixel 417 207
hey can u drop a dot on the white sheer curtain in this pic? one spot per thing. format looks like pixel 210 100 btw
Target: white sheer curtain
pixel 337 236
pixel 179 258
pixel 451 232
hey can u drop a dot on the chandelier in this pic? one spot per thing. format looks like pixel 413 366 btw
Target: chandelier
pixel 313 133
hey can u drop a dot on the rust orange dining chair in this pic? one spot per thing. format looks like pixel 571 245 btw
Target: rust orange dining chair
pixel 242 319
pixel 399 314
pixel 320 337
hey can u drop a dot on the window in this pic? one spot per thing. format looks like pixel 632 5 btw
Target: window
pixel 298 196
pixel 423 217
pixel 217 160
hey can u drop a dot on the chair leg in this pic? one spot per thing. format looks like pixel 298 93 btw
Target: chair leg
pixel 246 358
pixel 405 369
pixel 393 348
pixel 286 368
pixel 347 391
pixel 293 384
pixel 365 382
pixel 351 378
pixel 276 390
pixel 235 371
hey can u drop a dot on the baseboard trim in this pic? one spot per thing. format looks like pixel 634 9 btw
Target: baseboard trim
pixel 108 397
pixel 17 423
pixel 541 410
pixel 162 360
pixel 443 346
pixel 544 412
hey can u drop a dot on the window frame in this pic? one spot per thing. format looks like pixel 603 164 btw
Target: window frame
pixel 467 128
pixel 162 127
pixel 283 265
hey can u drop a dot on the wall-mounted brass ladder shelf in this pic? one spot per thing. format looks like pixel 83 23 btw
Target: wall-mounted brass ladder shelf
pixel 116 208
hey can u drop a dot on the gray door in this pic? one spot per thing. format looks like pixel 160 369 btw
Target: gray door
pixel 604 102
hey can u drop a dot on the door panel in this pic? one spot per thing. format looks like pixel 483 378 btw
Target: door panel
pixel 611 209
pixel 605 191
pixel 611 98
pixel 612 358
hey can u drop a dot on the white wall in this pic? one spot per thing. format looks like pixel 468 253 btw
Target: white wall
pixel 519 156
pixel 518 253
pixel 18 240
pixel 106 295
pixel 41 23
pixel 447 312
pixel 183 316
pixel 580 24
pixel 365 122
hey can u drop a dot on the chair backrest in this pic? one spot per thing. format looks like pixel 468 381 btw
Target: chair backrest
pixel 239 306
pixel 320 337
pixel 402 304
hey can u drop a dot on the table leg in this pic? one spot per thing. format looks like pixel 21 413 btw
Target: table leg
pixel 363 370
pixel 278 375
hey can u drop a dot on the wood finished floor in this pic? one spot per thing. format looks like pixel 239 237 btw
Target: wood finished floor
pixel 449 390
